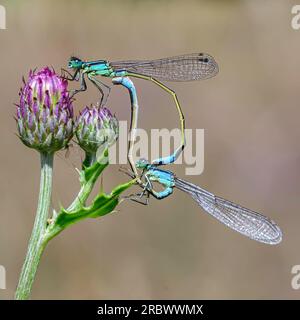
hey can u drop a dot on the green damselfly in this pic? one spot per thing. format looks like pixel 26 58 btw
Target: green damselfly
pixel 245 221
pixel 187 67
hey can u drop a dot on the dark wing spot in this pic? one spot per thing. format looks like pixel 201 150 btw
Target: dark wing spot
pixel 205 60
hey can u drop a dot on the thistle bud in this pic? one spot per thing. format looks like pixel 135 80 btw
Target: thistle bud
pixel 45 113
pixel 96 127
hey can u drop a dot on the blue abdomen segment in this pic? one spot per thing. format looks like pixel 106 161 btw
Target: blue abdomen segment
pixel 169 159
pixel 126 82
pixel 163 194
pixel 165 178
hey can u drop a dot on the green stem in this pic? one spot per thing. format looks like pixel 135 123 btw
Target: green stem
pixel 87 187
pixel 37 242
pixel 80 200
pixel 90 158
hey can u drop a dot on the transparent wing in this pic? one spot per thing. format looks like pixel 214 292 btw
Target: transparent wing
pixel 249 223
pixel 188 67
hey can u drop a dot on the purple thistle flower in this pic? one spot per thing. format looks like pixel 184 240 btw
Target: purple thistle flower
pixel 45 113
pixel 96 127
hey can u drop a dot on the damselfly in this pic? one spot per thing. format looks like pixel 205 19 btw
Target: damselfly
pixel 188 67
pixel 245 221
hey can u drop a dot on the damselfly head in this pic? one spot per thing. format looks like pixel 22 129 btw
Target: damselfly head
pixel 142 163
pixel 75 63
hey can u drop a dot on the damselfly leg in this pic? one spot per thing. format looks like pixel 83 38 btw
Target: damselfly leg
pixel 80 76
pixel 140 197
pixel 83 85
pixel 100 85
pixel 65 74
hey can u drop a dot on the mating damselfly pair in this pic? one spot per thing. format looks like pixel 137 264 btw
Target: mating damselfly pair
pixel 180 68
pixel 188 67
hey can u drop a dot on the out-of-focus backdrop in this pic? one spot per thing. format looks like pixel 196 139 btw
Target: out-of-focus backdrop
pixel 250 112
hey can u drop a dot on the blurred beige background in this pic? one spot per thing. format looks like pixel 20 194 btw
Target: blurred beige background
pixel 250 113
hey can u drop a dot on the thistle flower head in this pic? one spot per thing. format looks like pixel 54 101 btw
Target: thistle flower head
pixel 45 112
pixel 96 127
